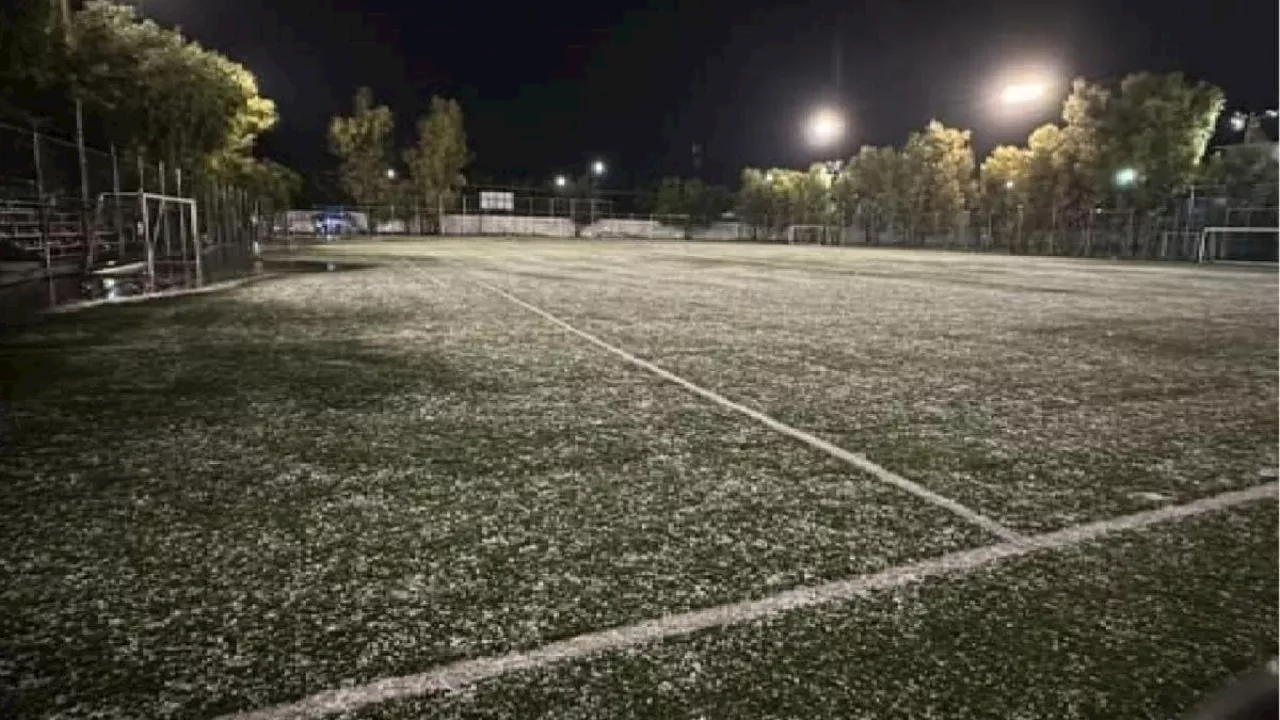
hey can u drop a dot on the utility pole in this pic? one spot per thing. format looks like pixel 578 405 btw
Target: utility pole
pixel 69 38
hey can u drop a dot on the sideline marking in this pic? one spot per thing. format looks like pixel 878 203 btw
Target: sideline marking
pixel 855 459
pixel 458 675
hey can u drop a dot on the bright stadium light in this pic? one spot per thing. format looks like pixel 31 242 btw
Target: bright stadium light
pixel 561 181
pixel 825 127
pixel 597 168
pixel 1023 93
pixel 1238 122
pixel 1008 184
pixel 1126 177
pixel 391 173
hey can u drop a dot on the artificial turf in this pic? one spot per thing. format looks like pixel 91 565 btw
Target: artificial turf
pixel 227 501
pixel 1043 392
pixel 1140 625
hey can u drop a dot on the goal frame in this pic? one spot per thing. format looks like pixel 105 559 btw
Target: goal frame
pixel 1202 246
pixel 188 225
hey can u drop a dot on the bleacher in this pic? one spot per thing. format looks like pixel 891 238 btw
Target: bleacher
pixel 24 233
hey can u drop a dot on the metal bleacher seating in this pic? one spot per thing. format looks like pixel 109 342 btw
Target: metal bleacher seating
pixel 24 234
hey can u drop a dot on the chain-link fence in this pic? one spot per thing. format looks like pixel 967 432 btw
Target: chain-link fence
pixel 107 223
pixel 500 212
pixel 1182 230
pixel 1174 233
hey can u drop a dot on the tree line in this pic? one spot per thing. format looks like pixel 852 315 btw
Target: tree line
pixel 363 144
pixel 1135 146
pixel 148 91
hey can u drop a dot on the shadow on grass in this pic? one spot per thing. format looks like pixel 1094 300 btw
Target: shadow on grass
pixel 208 358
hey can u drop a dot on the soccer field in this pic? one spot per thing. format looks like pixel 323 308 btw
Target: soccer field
pixel 495 479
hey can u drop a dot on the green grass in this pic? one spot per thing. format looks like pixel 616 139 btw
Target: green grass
pixel 221 502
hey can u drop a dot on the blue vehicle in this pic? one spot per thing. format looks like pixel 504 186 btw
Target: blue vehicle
pixel 333 222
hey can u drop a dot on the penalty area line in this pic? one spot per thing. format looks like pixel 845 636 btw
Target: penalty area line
pixel 857 460
pixel 459 675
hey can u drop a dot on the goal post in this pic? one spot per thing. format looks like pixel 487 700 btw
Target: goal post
pixel 1237 243
pixel 159 220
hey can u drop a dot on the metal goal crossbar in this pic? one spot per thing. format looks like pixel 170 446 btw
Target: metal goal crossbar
pixel 1206 253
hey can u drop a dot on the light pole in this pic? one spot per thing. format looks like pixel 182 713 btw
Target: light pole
pixel 560 182
pixel 597 171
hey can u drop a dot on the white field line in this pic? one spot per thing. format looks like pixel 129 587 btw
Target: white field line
pixel 458 675
pixel 855 459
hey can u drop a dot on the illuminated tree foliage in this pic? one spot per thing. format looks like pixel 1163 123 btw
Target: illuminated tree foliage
pixel 437 161
pixel 362 142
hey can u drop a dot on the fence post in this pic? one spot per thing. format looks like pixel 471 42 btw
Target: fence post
pixel 182 228
pixel 146 237
pixel 1018 235
pixel 115 195
pixel 164 218
pixel 42 216
pixel 195 242
pixel 1133 240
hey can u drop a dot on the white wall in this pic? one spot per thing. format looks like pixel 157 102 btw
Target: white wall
pixel 721 231
pixel 529 225
pixel 623 228
pixel 506 225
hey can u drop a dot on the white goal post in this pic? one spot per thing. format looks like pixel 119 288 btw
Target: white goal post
pixel 167 218
pixel 1213 239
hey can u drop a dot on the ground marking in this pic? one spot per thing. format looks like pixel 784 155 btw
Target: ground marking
pixel 458 675
pixel 855 459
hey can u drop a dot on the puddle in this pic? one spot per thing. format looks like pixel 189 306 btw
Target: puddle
pixel 113 282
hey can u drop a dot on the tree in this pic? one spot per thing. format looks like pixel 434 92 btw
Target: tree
pixel 1005 182
pixel 1245 174
pixel 695 203
pixel 813 196
pixel 34 59
pixel 716 201
pixel 939 167
pixel 753 198
pixel 668 199
pixel 872 182
pixel 162 95
pixel 362 143
pixel 1160 125
pixel 266 180
pixel 436 162
pixel 1084 163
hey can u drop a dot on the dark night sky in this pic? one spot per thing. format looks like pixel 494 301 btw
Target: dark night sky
pixel 546 86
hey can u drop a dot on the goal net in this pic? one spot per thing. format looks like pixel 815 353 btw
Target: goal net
pixel 811 234
pixel 1238 244
pixel 156 233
